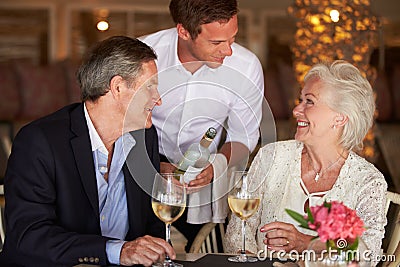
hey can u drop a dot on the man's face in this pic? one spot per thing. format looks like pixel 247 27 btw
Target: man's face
pixel 143 97
pixel 214 42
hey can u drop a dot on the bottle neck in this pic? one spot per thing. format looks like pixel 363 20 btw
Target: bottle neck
pixel 205 142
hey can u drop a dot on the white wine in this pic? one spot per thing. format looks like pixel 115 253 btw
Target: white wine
pixel 243 208
pixel 166 212
pixel 196 157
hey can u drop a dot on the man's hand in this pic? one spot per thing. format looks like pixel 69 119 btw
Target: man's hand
pixel 145 250
pixel 204 178
pixel 166 167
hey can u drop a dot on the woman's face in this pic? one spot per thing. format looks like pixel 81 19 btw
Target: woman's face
pixel 314 118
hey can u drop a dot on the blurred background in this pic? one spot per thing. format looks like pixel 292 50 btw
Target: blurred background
pixel 49 30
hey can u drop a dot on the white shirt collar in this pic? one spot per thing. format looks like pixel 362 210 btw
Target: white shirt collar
pixel 175 58
pixel 95 140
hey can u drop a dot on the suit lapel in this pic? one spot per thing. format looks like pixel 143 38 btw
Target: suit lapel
pixel 83 156
pixel 139 176
pixel 134 202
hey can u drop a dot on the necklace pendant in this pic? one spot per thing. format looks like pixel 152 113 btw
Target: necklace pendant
pixel 316 177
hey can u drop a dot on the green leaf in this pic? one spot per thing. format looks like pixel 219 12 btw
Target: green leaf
pixel 310 216
pixel 327 205
pixel 298 217
pixel 330 244
pixel 353 246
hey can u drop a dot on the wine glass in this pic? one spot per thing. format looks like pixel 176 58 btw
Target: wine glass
pixel 243 201
pixel 168 203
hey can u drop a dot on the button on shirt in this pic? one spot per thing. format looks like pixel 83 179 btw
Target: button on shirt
pixel 231 94
pixel 112 195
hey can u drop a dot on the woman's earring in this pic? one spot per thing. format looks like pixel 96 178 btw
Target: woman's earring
pixel 334 127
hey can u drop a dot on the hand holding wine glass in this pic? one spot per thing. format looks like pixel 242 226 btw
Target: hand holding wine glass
pixel 168 202
pixel 243 201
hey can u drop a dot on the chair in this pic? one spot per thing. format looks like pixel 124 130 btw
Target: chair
pixel 393 247
pixel 5 151
pixel 206 240
pixel 6 142
pixel 2 234
pixel 388 138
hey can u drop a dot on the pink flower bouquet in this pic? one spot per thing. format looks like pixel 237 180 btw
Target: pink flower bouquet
pixel 333 221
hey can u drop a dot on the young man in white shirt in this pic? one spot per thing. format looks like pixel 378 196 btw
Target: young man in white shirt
pixel 206 80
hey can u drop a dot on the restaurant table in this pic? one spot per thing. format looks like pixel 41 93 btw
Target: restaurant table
pixel 217 260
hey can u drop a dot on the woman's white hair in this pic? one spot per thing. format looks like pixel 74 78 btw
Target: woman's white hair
pixel 350 95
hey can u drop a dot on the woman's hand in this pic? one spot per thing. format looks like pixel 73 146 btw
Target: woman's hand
pixel 284 236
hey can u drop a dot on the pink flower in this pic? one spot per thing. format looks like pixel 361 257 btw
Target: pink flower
pixel 332 221
pixel 320 213
pixel 336 221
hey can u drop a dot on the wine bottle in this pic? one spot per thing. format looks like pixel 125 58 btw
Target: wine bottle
pixel 196 157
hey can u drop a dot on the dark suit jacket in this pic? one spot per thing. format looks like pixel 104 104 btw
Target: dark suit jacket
pixel 52 210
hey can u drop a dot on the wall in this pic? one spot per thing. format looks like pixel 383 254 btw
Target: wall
pixel 55 38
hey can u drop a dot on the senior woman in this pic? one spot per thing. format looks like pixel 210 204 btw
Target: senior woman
pixel 334 113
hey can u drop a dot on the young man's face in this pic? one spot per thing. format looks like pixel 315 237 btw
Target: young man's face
pixel 214 42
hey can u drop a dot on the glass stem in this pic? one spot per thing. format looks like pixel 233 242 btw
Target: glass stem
pixel 167 238
pixel 243 251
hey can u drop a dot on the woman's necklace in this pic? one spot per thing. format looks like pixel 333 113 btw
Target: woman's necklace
pixel 319 173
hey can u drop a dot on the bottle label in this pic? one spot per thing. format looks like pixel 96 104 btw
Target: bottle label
pixel 190 174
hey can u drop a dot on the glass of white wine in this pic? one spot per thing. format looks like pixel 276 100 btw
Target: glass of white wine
pixel 168 203
pixel 243 201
